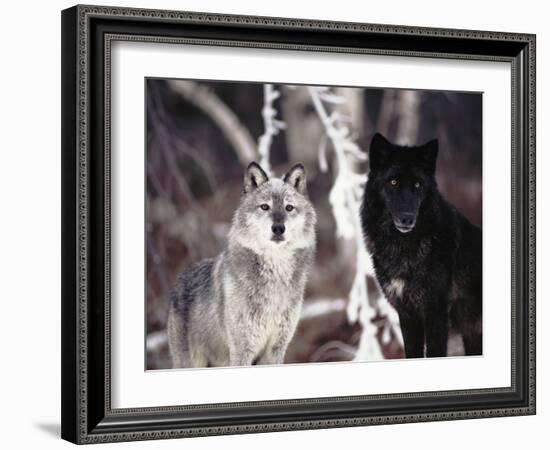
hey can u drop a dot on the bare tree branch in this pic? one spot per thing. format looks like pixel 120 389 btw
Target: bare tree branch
pixel 386 112
pixel 408 105
pixel 221 115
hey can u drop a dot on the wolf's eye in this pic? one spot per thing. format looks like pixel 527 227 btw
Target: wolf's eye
pixel 264 206
pixel 393 182
pixel 289 208
pixel 417 184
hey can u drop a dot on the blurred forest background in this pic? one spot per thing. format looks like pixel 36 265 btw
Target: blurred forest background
pixel 201 136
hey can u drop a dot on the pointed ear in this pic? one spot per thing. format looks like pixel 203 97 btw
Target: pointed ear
pixel 429 154
pixel 296 177
pixel 379 152
pixel 254 177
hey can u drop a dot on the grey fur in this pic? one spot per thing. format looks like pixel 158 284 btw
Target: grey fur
pixel 242 307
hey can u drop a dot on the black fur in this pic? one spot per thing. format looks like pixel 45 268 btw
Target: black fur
pixel 426 254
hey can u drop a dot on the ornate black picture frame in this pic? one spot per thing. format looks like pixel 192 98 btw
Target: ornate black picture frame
pixel 87 34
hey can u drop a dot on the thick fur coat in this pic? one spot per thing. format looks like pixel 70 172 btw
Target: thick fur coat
pixel 427 256
pixel 242 307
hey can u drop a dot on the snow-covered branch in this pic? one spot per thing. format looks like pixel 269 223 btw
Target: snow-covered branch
pixel 272 126
pixel 345 199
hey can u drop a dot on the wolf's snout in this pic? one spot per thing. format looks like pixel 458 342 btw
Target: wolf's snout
pixel 405 222
pixel 278 229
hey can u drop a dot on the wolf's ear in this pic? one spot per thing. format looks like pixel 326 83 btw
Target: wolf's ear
pixel 254 177
pixel 296 177
pixel 379 152
pixel 429 154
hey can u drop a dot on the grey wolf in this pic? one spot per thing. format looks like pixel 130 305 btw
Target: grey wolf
pixel 427 256
pixel 242 307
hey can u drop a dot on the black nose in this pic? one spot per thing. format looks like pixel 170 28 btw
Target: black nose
pixel 278 229
pixel 407 219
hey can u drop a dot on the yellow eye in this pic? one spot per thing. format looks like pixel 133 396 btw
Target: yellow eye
pixel 393 182
pixel 417 184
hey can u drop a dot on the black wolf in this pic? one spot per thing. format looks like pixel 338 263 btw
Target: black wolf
pixel 426 254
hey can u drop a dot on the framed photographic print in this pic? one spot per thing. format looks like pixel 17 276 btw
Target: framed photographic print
pixel 267 222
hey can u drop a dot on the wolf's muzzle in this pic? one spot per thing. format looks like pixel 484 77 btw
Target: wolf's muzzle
pixel 405 222
pixel 278 230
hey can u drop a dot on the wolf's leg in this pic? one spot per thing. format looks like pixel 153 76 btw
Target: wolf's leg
pixel 412 327
pixel 275 354
pixel 437 330
pixel 467 317
pixel 184 354
pixel 241 338
pixel 243 356
pixel 241 349
pixel 177 341
pixel 472 344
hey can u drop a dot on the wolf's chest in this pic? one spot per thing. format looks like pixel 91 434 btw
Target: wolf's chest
pixel 276 288
pixel 276 271
pixel 400 254
pixel 265 285
pixel 275 291
pixel 401 267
